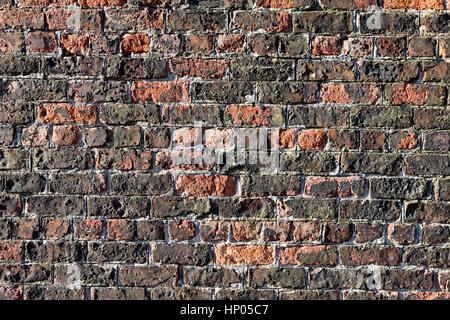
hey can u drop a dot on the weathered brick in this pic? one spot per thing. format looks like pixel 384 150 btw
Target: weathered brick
pixel 308 209
pixel 19 18
pixel 333 187
pixel 369 254
pixel 78 183
pixel 140 184
pixel 325 70
pixel 308 255
pixel 391 22
pixel 183 253
pixel 306 231
pixel 322 22
pixel 133 19
pixel 427 212
pixel 223 92
pixel 391 47
pixel 261 69
pixel 120 229
pixel 435 234
pixel 426 256
pixel 291 278
pixel 271 185
pixel 118 207
pixel 97 91
pixel 427 164
pixel 269 21
pixel 415 94
pixel 78 19
pixel 308 162
pixel 371 163
pixel 148 276
pixel 371 210
pixel 129 252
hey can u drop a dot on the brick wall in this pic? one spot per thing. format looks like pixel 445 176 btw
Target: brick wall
pixel 99 96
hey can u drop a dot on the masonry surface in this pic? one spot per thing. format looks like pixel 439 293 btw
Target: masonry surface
pixel 93 93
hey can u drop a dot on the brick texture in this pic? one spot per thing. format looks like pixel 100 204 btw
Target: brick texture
pixel 100 99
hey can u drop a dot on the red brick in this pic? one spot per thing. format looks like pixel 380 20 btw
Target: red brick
pixel 62 113
pixel 306 231
pixel 88 229
pixel 11 42
pixel 135 43
pixel 10 251
pixel 170 91
pixel 246 231
pixel 199 43
pixel 255 115
pixel 230 43
pixel 409 93
pixel 230 254
pixel 287 139
pixel 41 42
pixel 326 46
pixel 21 18
pixel 206 185
pixel 414 4
pixel 334 187
pixel 351 93
pixel 182 230
pixel 66 135
pixel 74 43
pixel 34 136
pixel 312 139
pixel 203 68
pixel 27 228
pixel 308 255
